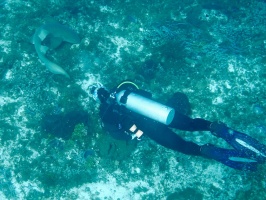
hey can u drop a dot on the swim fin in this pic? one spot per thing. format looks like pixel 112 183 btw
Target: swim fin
pixel 240 141
pixel 230 157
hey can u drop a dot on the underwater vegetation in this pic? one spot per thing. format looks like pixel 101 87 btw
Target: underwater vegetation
pixel 2 2
pixel 88 153
pixel 159 33
pixel 187 193
pixel 63 125
pixel 258 109
pixel 6 185
pixel 149 69
pixel 179 101
pixel 203 48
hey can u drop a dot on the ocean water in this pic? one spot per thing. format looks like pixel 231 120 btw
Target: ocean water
pixel 213 51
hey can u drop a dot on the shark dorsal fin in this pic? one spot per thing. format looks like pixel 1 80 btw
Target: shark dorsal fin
pixel 43 49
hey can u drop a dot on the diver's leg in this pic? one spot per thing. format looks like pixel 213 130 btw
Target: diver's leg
pixel 240 141
pixel 169 139
pixel 183 122
pixel 179 101
pixel 230 157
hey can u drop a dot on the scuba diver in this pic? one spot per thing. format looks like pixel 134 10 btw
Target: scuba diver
pixel 128 112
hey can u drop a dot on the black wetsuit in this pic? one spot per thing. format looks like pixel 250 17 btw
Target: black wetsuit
pixel 117 121
pixel 122 124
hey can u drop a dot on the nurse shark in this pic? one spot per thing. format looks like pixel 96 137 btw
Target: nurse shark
pixel 58 33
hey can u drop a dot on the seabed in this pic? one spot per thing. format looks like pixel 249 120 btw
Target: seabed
pixel 213 51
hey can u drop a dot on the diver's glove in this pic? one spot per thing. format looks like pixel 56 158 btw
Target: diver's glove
pixel 240 141
pixel 230 157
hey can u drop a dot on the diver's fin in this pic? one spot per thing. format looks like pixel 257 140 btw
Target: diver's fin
pixel 240 141
pixel 230 157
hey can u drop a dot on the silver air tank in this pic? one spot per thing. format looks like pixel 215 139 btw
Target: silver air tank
pixel 146 107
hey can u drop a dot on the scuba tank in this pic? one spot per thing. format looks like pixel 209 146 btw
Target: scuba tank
pixel 145 106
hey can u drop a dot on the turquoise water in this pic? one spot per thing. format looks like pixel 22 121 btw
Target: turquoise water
pixel 213 51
